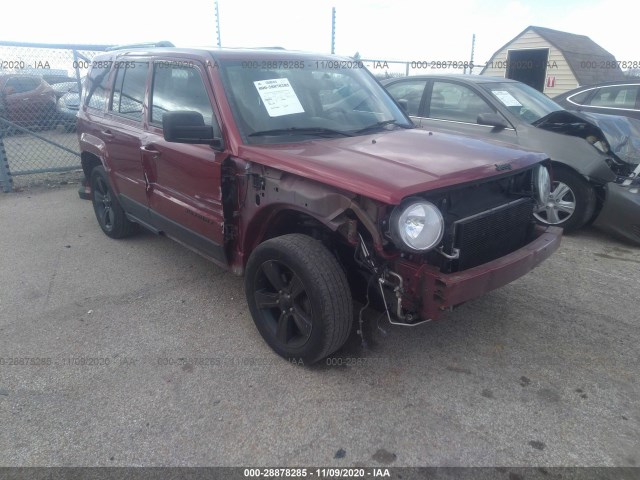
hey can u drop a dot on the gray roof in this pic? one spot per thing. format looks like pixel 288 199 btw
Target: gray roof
pixel 586 59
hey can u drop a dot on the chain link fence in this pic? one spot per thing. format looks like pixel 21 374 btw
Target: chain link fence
pixel 40 90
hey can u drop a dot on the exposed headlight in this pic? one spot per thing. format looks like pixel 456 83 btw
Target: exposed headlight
pixel 417 225
pixel 541 184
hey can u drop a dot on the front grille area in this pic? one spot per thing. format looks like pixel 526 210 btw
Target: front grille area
pixel 494 233
pixel 484 220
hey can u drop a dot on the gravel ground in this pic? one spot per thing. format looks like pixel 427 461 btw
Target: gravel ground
pixel 139 352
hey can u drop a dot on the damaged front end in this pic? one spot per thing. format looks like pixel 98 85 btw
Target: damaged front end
pixel 615 136
pixel 478 237
pixel 619 139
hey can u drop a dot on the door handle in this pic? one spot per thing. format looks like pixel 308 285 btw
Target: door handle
pixel 147 184
pixel 150 150
pixel 107 133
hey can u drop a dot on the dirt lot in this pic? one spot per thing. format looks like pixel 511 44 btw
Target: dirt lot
pixel 138 352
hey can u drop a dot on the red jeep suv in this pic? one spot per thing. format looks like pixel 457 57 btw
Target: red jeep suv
pixel 300 172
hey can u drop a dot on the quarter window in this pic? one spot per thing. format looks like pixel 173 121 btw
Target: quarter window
pixel 450 101
pixel 128 93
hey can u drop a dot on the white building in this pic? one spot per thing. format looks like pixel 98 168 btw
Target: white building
pixel 552 61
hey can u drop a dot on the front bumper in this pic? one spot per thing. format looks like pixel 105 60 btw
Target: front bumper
pixel 620 214
pixel 436 291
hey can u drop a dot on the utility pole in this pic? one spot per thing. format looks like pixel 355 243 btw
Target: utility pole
pixel 218 24
pixel 473 46
pixel 333 30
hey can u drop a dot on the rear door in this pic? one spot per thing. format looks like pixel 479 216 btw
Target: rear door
pixel 122 130
pixel 185 194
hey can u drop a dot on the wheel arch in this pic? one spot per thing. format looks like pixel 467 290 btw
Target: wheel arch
pixel 89 161
pixel 282 219
pixel 272 202
pixel 93 153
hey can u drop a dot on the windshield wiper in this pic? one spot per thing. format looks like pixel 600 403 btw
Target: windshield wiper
pixel 381 124
pixel 300 131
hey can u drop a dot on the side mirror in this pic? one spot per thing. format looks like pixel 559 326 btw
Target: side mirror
pixel 404 104
pixel 493 120
pixel 188 127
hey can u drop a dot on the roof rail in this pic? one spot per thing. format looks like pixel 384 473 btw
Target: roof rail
pixel 162 43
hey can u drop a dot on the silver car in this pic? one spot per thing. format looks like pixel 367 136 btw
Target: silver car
pixel 589 151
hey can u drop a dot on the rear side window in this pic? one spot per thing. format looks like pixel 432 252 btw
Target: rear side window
pixel 579 98
pixel 128 91
pixel 178 88
pixel 96 85
pixel 617 97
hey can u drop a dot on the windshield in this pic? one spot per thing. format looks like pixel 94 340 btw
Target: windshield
pixel 522 100
pixel 317 100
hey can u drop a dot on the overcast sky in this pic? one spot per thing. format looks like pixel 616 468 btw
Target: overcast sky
pixel 383 29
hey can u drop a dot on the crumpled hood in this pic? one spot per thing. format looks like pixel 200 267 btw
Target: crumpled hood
pixel 391 165
pixel 621 133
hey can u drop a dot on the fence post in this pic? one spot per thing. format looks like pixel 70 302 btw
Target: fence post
pixel 5 174
pixel 77 70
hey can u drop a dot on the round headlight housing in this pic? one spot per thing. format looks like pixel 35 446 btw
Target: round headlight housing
pixel 541 184
pixel 416 225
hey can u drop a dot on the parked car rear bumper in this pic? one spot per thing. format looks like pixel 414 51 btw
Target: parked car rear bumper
pixel 439 291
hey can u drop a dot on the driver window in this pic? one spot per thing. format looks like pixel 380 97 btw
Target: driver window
pixel 411 91
pixel 178 88
pixel 451 101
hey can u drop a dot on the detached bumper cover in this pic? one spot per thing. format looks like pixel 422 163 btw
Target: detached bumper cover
pixel 620 213
pixel 439 291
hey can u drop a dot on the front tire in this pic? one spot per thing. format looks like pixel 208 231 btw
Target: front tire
pixel 571 204
pixel 299 297
pixel 109 212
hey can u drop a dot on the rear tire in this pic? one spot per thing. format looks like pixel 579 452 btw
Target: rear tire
pixel 571 204
pixel 299 297
pixel 109 212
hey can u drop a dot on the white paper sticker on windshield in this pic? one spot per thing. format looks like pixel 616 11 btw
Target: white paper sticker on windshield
pixel 506 98
pixel 278 97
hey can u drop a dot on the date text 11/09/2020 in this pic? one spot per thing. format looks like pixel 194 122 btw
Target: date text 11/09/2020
pixel 316 472
pixel 251 64
pixel 15 65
